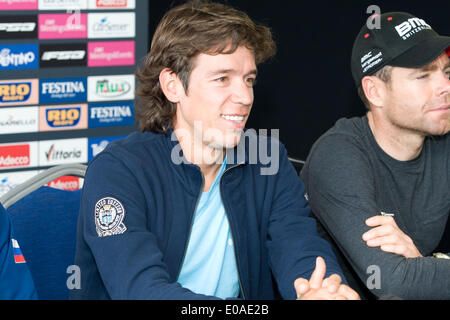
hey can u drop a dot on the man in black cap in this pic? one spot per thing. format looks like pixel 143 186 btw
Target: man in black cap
pixel 380 184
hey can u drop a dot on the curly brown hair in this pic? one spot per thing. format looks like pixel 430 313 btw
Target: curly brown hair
pixel 184 32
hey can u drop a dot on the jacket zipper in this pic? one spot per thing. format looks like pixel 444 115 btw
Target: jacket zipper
pixel 231 231
pixel 190 228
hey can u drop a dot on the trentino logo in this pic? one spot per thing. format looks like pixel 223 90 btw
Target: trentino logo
pixel 19 56
pixel 108 115
pixel 63 90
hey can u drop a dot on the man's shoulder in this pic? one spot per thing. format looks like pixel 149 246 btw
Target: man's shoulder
pixel 345 136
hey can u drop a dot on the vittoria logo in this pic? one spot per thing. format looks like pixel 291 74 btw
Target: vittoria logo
pixel 62 151
pixel 14 156
pixel 411 27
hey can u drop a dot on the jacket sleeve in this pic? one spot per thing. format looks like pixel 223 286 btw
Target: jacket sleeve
pixel 16 282
pixel 126 253
pixel 293 242
pixel 341 190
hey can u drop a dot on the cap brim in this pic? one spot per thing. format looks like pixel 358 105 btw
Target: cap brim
pixel 422 54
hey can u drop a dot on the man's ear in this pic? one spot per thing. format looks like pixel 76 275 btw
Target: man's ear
pixel 374 89
pixel 170 85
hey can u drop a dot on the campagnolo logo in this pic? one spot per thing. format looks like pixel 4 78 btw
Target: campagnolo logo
pixel 8 59
pixel 112 88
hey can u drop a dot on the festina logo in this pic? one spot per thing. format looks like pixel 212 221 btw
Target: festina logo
pixel 18 26
pixel 63 55
pixel 63 87
pixel 107 88
pixel 52 154
pixel 111 112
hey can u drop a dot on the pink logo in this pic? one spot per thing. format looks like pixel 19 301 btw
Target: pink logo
pixel 63 26
pixel 115 53
pixel 18 5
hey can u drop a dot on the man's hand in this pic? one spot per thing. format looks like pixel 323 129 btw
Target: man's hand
pixel 319 289
pixel 388 236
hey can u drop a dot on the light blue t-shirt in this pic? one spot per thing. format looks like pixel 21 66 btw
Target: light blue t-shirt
pixel 209 266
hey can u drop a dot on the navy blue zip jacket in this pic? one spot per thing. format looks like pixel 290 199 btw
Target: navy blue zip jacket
pixel 137 209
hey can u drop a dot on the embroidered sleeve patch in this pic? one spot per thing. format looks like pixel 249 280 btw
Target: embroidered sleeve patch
pixel 109 214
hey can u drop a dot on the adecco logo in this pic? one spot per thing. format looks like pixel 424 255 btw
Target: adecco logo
pixel 104 88
pixel 68 183
pixel 19 92
pixel 18 155
pixel 112 4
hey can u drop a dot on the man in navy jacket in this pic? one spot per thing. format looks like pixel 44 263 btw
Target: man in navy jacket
pixel 193 206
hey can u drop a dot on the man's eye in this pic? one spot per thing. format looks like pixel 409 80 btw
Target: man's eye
pixel 251 81
pixel 221 79
pixel 448 74
pixel 424 76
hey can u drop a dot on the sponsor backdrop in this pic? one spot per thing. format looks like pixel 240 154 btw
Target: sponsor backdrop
pixel 66 82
